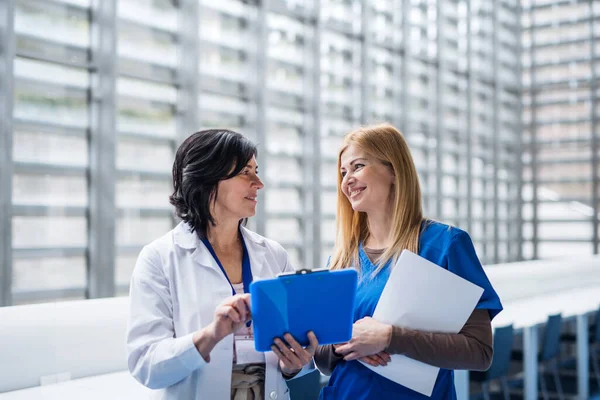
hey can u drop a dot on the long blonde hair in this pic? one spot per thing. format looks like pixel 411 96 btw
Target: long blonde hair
pixel 386 144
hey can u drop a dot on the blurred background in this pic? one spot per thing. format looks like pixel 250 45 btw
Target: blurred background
pixel 498 101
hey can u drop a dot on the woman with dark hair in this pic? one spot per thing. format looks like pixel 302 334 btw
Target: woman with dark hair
pixel 189 332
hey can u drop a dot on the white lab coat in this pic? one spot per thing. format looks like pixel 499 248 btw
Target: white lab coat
pixel 175 288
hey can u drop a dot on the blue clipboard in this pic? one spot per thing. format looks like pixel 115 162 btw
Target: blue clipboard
pixel 321 301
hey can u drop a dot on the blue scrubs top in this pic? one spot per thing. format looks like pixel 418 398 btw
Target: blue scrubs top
pixel 446 246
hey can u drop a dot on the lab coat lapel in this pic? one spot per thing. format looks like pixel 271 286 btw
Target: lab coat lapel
pixel 256 252
pixel 185 239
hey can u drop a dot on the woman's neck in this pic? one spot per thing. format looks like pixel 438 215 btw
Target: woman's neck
pixel 224 235
pixel 380 226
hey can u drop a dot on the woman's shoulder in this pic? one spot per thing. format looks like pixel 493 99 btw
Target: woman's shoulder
pixel 263 241
pixel 440 234
pixel 161 247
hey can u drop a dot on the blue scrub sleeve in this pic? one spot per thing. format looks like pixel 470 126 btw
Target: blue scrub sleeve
pixel 463 261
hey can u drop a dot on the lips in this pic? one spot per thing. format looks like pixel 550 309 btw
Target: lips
pixel 356 191
pixel 252 198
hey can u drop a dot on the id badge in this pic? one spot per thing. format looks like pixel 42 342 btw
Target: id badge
pixel 245 352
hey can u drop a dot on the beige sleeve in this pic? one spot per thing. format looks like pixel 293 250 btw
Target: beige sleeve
pixel 471 348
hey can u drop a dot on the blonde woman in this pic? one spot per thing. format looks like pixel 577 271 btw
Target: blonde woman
pixel 379 214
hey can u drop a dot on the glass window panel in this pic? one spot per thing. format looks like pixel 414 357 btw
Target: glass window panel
pixel 146 90
pixel 159 13
pixel 50 190
pixel 230 105
pixel 283 200
pixel 568 211
pixel 285 116
pixel 328 230
pixel 49 231
pixel 284 170
pixel 228 30
pixel 295 259
pixel 329 174
pixel 51 104
pixel 329 202
pixel 285 230
pixel 350 9
pixel 48 273
pixel 284 139
pixel 143 155
pixel 51 73
pixel 141 193
pixel 285 78
pixel 210 119
pixel 135 231
pixel 53 22
pixel 287 39
pixel 42 147
pixel 227 64
pixel 146 45
pixel 146 117
pixel 552 250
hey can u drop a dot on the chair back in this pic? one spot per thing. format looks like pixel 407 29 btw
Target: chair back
pixel 503 344
pixel 551 340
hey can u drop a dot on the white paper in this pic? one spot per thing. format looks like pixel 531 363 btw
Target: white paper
pixel 245 352
pixel 423 296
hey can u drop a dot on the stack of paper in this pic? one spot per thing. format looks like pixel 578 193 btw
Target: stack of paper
pixel 423 296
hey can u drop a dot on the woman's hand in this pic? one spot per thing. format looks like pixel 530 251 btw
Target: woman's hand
pixel 369 337
pixel 375 360
pixel 292 356
pixel 229 316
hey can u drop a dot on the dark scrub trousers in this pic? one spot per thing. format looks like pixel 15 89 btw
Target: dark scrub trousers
pixel 448 247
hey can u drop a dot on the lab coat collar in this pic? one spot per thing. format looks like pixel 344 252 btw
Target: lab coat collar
pixel 184 238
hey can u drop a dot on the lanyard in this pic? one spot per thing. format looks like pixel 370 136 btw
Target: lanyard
pixel 246 270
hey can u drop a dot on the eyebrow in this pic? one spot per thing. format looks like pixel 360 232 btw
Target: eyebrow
pixel 355 160
pixel 250 166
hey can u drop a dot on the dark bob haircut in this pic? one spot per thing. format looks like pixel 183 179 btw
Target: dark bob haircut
pixel 202 161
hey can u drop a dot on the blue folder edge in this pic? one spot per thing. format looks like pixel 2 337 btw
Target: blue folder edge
pixel 305 300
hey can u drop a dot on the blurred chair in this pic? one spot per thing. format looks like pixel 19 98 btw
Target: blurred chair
pixel 548 357
pixel 595 348
pixel 594 343
pixel 503 344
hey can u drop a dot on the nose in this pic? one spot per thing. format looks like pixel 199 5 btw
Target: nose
pixel 257 182
pixel 347 180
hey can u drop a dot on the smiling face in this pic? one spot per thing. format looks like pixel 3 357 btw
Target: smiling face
pixel 237 197
pixel 367 182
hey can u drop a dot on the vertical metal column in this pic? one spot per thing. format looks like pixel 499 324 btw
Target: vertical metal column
pixel 316 137
pixel 594 123
pixel 261 108
pixel 188 76
pixel 469 133
pixel 530 362
pixel 102 212
pixel 397 84
pixel 7 55
pixel 583 357
pixel 365 62
pixel 533 147
pixel 496 130
pixel 405 62
pixel 520 133
pixel 439 128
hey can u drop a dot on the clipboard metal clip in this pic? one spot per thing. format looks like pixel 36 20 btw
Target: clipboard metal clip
pixel 303 271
